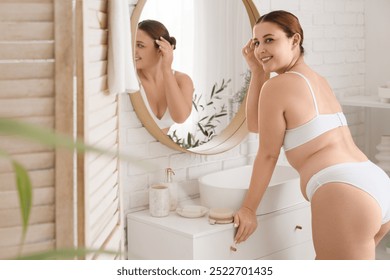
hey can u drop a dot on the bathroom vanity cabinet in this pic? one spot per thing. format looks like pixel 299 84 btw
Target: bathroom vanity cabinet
pixel 283 234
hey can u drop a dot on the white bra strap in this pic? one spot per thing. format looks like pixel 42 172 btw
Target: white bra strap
pixel 311 89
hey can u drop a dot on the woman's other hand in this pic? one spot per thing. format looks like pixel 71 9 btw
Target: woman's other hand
pixel 246 222
pixel 166 50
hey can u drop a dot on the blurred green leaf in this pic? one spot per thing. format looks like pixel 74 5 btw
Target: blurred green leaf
pixel 65 254
pixel 25 194
pixel 24 187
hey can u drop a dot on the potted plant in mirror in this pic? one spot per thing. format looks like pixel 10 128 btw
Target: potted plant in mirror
pixel 210 112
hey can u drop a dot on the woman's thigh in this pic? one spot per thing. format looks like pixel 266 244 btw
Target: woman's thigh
pixel 345 220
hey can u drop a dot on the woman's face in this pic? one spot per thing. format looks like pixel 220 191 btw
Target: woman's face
pixel 273 49
pixel 146 53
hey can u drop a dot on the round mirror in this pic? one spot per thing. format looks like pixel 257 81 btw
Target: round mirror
pixel 209 38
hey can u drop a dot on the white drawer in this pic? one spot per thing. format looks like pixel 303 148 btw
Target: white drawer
pixel 275 232
pixel 303 251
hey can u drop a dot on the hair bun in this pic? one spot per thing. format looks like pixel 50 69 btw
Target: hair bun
pixel 172 41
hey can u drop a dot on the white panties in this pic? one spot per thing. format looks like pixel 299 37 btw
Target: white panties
pixel 363 175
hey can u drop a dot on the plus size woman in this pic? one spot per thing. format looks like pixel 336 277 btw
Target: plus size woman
pixel 297 110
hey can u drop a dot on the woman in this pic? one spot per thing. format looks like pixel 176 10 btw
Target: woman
pixel 297 110
pixel 168 93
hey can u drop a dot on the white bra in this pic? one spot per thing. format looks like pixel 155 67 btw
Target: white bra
pixel 320 124
pixel 166 120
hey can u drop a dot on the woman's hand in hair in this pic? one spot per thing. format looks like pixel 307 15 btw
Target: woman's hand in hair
pixel 166 50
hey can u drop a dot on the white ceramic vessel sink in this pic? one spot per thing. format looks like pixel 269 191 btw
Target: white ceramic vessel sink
pixel 227 188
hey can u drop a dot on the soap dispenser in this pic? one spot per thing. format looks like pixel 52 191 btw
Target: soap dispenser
pixel 173 193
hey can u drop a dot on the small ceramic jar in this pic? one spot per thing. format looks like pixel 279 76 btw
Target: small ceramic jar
pixel 159 202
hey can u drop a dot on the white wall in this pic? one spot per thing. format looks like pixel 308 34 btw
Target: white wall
pixel 377 66
pixel 377 44
pixel 334 31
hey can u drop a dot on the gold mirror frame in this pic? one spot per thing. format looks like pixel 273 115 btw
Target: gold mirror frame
pixel 230 137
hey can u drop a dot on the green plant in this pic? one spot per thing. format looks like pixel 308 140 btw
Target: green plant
pixel 209 112
pixel 239 96
pixel 24 189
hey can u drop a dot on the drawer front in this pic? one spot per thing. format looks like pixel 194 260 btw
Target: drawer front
pixel 275 232
pixel 303 251
pixel 148 242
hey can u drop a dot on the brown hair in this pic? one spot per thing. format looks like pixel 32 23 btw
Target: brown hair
pixel 287 21
pixel 155 30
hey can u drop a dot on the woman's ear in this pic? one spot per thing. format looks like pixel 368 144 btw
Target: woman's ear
pixel 296 39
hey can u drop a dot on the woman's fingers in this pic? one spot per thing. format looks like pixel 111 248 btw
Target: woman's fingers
pixel 166 52
pixel 164 44
pixel 248 48
pixel 245 223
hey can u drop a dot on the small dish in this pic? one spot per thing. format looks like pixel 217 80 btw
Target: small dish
pixel 192 211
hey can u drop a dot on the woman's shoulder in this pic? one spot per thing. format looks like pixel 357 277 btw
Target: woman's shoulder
pixel 286 77
pixel 288 81
pixel 182 77
pixel 280 82
pixel 179 74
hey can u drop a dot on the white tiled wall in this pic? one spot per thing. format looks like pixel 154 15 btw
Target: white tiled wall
pixel 334 44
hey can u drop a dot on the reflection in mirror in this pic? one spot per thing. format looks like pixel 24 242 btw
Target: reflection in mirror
pixel 209 38
pixel 167 93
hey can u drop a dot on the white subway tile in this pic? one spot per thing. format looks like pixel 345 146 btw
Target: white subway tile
pixel 156 149
pixel 263 6
pixel 324 45
pixel 138 199
pixel 136 183
pixel 335 32
pixel 360 44
pixel 291 5
pixel 182 160
pixel 135 150
pixel 313 32
pixel 361 19
pixel 188 189
pixel 314 58
pixel 147 166
pixel 129 120
pixel 321 18
pixel 305 19
pixel 334 6
pixel 345 19
pixel 311 5
pixel 252 147
pixel 195 172
pixel 138 136
pixel 358 56
pixel 234 162
pixel 356 32
pixel 355 6
pixel 334 57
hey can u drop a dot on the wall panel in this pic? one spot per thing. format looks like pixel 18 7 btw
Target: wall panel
pixel 35 64
pixel 99 208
